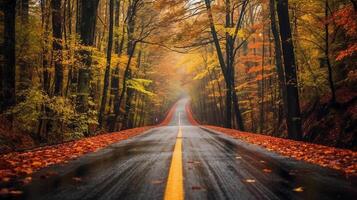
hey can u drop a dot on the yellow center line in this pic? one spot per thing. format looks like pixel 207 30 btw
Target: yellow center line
pixel 174 186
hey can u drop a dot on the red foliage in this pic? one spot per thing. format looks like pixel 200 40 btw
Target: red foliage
pixel 346 18
pixel 169 115
pixel 20 165
pixel 340 159
pixel 23 164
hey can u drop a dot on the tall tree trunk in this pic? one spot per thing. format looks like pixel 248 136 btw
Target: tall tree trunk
pixel 293 112
pixel 107 68
pixel 278 60
pixel 238 114
pixel 88 16
pixel 127 74
pixel 131 45
pixel 116 25
pixel 25 73
pixel 262 87
pixel 57 45
pixel 45 59
pixel 128 108
pixel 327 54
pixel 229 66
pixel 9 68
pixel 220 94
pixel 228 120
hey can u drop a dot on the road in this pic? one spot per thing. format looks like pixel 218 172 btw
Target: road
pixel 200 164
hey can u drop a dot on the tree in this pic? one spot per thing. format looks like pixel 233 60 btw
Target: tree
pixel 293 106
pixel 25 71
pixel 227 66
pixel 107 68
pixel 88 18
pixel 278 58
pixel 327 54
pixel 57 46
pixel 9 67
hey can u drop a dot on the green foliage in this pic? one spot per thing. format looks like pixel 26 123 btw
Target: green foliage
pixel 59 112
pixel 28 112
pixel 140 85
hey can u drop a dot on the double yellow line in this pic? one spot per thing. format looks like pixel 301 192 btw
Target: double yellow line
pixel 174 187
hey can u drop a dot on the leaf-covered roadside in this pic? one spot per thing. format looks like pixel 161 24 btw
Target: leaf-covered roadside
pixel 339 159
pixel 20 165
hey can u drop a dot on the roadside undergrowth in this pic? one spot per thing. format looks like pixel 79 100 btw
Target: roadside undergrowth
pixel 16 168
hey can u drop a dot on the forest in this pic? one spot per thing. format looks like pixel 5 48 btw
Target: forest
pixel 77 68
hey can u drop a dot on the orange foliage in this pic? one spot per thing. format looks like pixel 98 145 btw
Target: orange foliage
pixel 346 18
pixel 169 115
pixel 338 159
pixel 23 164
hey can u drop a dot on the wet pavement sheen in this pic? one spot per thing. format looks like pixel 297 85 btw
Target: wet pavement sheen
pixel 215 166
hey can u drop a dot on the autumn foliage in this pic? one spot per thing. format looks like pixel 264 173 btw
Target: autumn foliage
pixel 20 165
pixel 339 159
pixel 334 158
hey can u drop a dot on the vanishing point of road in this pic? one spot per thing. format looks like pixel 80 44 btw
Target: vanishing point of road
pixel 182 161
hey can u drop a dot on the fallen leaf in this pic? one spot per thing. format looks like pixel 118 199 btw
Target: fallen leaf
pixel 298 189
pixel 77 179
pixel 196 187
pixel 27 180
pixel 250 180
pixel 15 192
pixel 267 170
pixel 36 164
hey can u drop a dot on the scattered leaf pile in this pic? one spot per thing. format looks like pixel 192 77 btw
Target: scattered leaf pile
pixel 20 165
pixel 340 159
pixel 23 164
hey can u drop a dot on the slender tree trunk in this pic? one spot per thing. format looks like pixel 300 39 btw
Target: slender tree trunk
pixel 45 57
pixel 327 54
pixel 278 60
pixel 107 68
pixel 127 74
pixel 224 68
pixel 128 108
pixel 262 85
pixel 57 45
pixel 25 72
pixel 116 25
pixel 88 16
pixel 293 112
pixel 215 102
pixel 220 95
pixel 9 69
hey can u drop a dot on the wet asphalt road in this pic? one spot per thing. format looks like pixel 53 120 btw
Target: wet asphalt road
pixel 215 166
